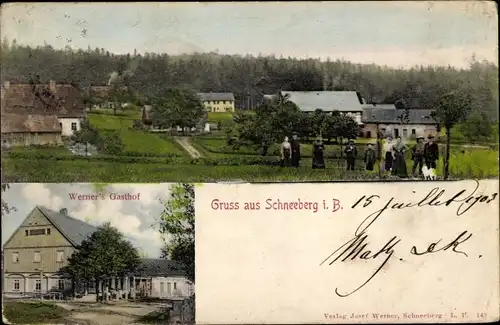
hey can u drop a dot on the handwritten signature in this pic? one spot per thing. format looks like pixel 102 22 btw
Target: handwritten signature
pixel 357 248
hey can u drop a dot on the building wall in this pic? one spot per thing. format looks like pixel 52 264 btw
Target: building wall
pixel 69 125
pixel 28 139
pixel 355 115
pixel 405 130
pixel 165 287
pixel 21 283
pixel 219 105
pixel 47 245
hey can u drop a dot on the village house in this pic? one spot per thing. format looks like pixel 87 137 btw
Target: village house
pixel 40 247
pixel 217 102
pixel 102 96
pixel 62 101
pixel 26 130
pixel 390 121
pixel 349 103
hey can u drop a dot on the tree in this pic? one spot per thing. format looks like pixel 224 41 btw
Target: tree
pixel 177 107
pixel 477 128
pixel 6 208
pixel 319 122
pixel 112 143
pixel 177 227
pixel 453 108
pixel 404 112
pixel 270 124
pixel 345 128
pixel 105 254
pixel 88 134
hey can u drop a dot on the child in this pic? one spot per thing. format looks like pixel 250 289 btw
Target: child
pixel 370 157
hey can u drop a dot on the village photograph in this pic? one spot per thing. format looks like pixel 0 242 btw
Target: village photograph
pixel 98 254
pixel 277 92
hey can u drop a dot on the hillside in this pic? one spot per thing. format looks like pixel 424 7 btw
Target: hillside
pixel 249 77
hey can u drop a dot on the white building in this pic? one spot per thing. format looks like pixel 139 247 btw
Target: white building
pixel 346 102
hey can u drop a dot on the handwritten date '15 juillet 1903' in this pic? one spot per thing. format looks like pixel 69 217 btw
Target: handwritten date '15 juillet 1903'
pixel 358 246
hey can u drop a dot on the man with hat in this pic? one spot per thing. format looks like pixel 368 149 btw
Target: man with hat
pixel 295 146
pixel 350 152
pixel 417 156
pixel 431 153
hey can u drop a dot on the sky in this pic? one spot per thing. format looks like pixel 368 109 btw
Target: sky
pixel 396 33
pixel 137 220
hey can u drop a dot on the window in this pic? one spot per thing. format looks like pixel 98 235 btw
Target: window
pixel 60 124
pixel 38 285
pixel 15 257
pixel 37 232
pixel 16 285
pixel 36 257
pixel 175 285
pixel 26 232
pixel 413 131
pixel 60 284
pixel 73 126
pixel 60 256
pixel 48 231
pixel 396 133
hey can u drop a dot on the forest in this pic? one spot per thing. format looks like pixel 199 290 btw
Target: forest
pixel 249 77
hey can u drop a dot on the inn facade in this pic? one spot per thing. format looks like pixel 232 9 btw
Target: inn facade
pixel 35 253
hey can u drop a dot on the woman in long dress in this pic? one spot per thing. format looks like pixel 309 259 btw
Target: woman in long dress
pixel 399 168
pixel 387 155
pixel 318 161
pixel 286 153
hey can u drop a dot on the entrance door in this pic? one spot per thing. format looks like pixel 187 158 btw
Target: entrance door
pixel 162 289
pixel 396 133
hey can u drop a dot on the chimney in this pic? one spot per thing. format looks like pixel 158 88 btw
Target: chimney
pixel 63 211
pixel 52 86
pixel 6 84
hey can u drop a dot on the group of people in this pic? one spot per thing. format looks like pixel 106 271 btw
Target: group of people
pixel 393 159
pixel 290 153
pixel 422 154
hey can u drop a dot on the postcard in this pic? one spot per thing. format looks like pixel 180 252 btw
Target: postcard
pixel 424 252
pixel 249 91
pixel 98 253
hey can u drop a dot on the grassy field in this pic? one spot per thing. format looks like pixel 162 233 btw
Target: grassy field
pixel 219 161
pixel 135 140
pixel 473 163
pixel 214 117
pixel 33 313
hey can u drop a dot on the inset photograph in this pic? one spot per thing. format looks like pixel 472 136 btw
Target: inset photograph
pixel 98 253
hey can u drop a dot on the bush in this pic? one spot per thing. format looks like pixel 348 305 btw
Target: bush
pixel 31 313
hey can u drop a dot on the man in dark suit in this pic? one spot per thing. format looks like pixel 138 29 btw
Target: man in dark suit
pixel 295 146
pixel 431 153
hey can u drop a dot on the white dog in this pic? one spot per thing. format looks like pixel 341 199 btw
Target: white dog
pixel 429 174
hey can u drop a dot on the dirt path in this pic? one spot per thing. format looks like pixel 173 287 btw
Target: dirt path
pixel 186 145
pixel 119 314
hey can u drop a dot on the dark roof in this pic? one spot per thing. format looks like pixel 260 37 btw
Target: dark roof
pixel 103 91
pixel 73 229
pixel 392 116
pixel 16 123
pixel 216 96
pixel 159 267
pixel 37 99
pixel 384 106
pixel 328 101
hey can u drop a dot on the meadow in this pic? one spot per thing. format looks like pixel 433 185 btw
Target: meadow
pixel 152 157
pixel 135 141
